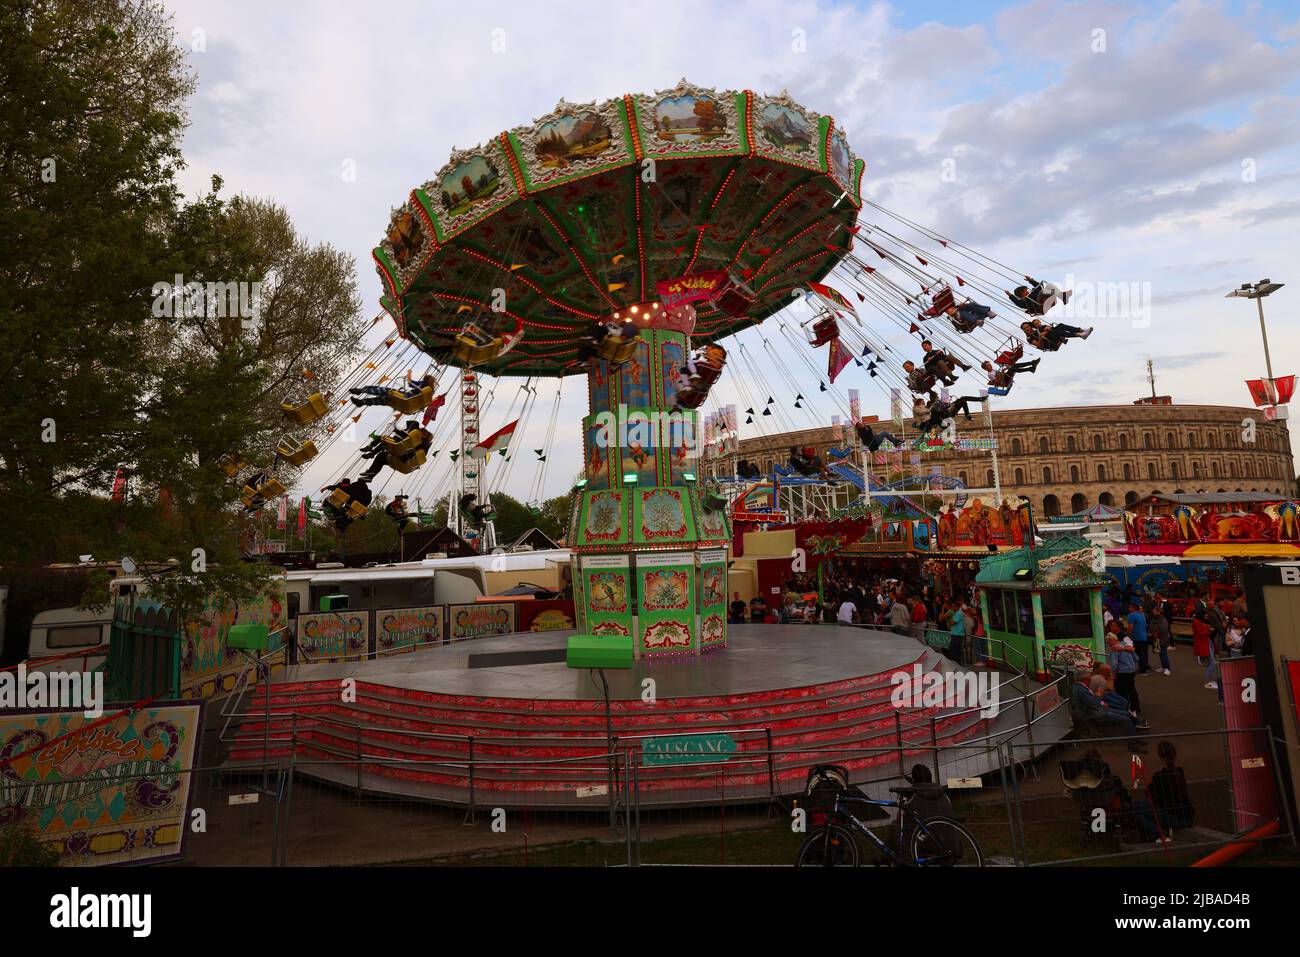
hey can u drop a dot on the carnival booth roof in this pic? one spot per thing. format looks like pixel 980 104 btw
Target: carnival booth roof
pixel 1065 560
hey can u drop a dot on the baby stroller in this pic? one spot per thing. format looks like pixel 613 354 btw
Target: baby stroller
pixel 1105 807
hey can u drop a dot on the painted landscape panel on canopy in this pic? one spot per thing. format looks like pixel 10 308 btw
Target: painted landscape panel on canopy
pixel 689 120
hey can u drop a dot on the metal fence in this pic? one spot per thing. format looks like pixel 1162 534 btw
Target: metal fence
pixel 1022 812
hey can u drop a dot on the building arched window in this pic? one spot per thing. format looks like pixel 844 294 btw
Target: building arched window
pixel 1020 477
pixel 1097 443
pixel 1042 443
pixel 1191 440
pixel 1130 498
pixel 962 475
pixel 1070 445
pixel 1078 502
pixel 1214 469
pixel 1209 440
pixel 1016 447
pixel 1151 470
pixel 1173 470
pixel 990 480
pixel 1146 440
pixel 1051 505
pixel 1128 471
pixel 1101 473
pixel 1047 475
pixel 1123 441
pixel 1074 474
pixel 1171 440
pixel 1105 498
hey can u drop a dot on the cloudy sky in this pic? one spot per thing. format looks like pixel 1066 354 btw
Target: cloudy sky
pixel 1144 143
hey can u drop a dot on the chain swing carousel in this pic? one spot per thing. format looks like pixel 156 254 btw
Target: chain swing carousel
pixel 620 240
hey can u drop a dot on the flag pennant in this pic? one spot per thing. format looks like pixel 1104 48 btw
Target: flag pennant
pixel 498 441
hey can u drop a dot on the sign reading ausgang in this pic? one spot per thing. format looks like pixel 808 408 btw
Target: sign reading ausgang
pixel 687 749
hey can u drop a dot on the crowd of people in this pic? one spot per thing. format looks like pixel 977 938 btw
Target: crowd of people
pixel 906 608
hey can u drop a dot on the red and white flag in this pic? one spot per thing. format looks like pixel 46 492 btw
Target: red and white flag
pixel 836 359
pixel 498 441
pixel 282 513
pixel 302 518
pixel 1272 391
pixel 119 486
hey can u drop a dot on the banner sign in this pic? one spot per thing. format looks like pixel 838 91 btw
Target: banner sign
pixel 694 287
pixel 333 635
pixel 480 619
pixel 112 794
pixel 399 630
pixel 545 614
pixel 687 749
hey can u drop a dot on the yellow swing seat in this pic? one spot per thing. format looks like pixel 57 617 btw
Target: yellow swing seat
pixel 232 465
pixel 617 350
pixel 339 499
pixel 407 443
pixel 311 410
pixel 410 404
pixel 410 463
pixel 286 451
pixel 268 490
pixel 472 351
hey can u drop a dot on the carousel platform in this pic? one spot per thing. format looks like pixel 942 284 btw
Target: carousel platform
pixel 503 722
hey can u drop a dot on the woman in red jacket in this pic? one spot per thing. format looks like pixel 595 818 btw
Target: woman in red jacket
pixel 1203 647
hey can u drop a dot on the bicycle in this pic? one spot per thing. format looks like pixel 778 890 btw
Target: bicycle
pixel 935 841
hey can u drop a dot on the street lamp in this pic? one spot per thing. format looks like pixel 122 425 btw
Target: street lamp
pixel 1258 291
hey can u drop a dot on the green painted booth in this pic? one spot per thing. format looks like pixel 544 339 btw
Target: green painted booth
pixel 1043 604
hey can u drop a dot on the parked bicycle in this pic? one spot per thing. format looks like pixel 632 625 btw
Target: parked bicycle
pixel 931 841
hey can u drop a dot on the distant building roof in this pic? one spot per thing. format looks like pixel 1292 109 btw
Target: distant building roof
pixel 1218 498
pixel 535 537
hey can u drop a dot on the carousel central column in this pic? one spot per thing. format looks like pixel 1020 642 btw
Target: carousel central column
pixel 650 553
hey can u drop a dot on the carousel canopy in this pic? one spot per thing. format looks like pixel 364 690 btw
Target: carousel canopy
pixel 1218 498
pixel 741 200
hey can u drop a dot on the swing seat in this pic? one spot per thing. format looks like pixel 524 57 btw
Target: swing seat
pixel 410 404
pixel 709 366
pixel 474 346
pixel 252 496
pixel 232 465
pixel 824 330
pixel 401 446
pixel 410 463
pixel 617 350
pixel 942 302
pixel 311 410
pixel 734 302
pixel 1011 357
pixel 691 397
pixel 343 503
pixel 286 451
pixel 998 390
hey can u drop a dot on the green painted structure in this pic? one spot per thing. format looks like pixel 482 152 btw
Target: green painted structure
pixel 1035 600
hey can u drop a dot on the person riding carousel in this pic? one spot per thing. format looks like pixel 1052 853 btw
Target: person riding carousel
pixel 377 450
pixel 379 394
pixel 969 316
pixel 396 510
pixel 1002 377
pixel 601 335
pixel 871 439
pixel 1048 337
pixel 477 514
pixel 357 492
pixel 919 381
pixel 942 365
pixel 748 470
pixel 1037 297
pixel 806 461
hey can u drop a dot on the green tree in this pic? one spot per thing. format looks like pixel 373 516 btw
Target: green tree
pixel 101 381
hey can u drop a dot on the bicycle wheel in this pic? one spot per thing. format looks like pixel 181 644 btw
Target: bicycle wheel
pixel 830 846
pixel 943 842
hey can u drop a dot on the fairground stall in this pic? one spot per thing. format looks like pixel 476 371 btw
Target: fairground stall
pixel 1043 604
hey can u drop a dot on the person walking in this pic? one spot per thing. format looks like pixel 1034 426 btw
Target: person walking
pixel 1203 648
pixel 1124 664
pixel 1137 630
pixel 1161 637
